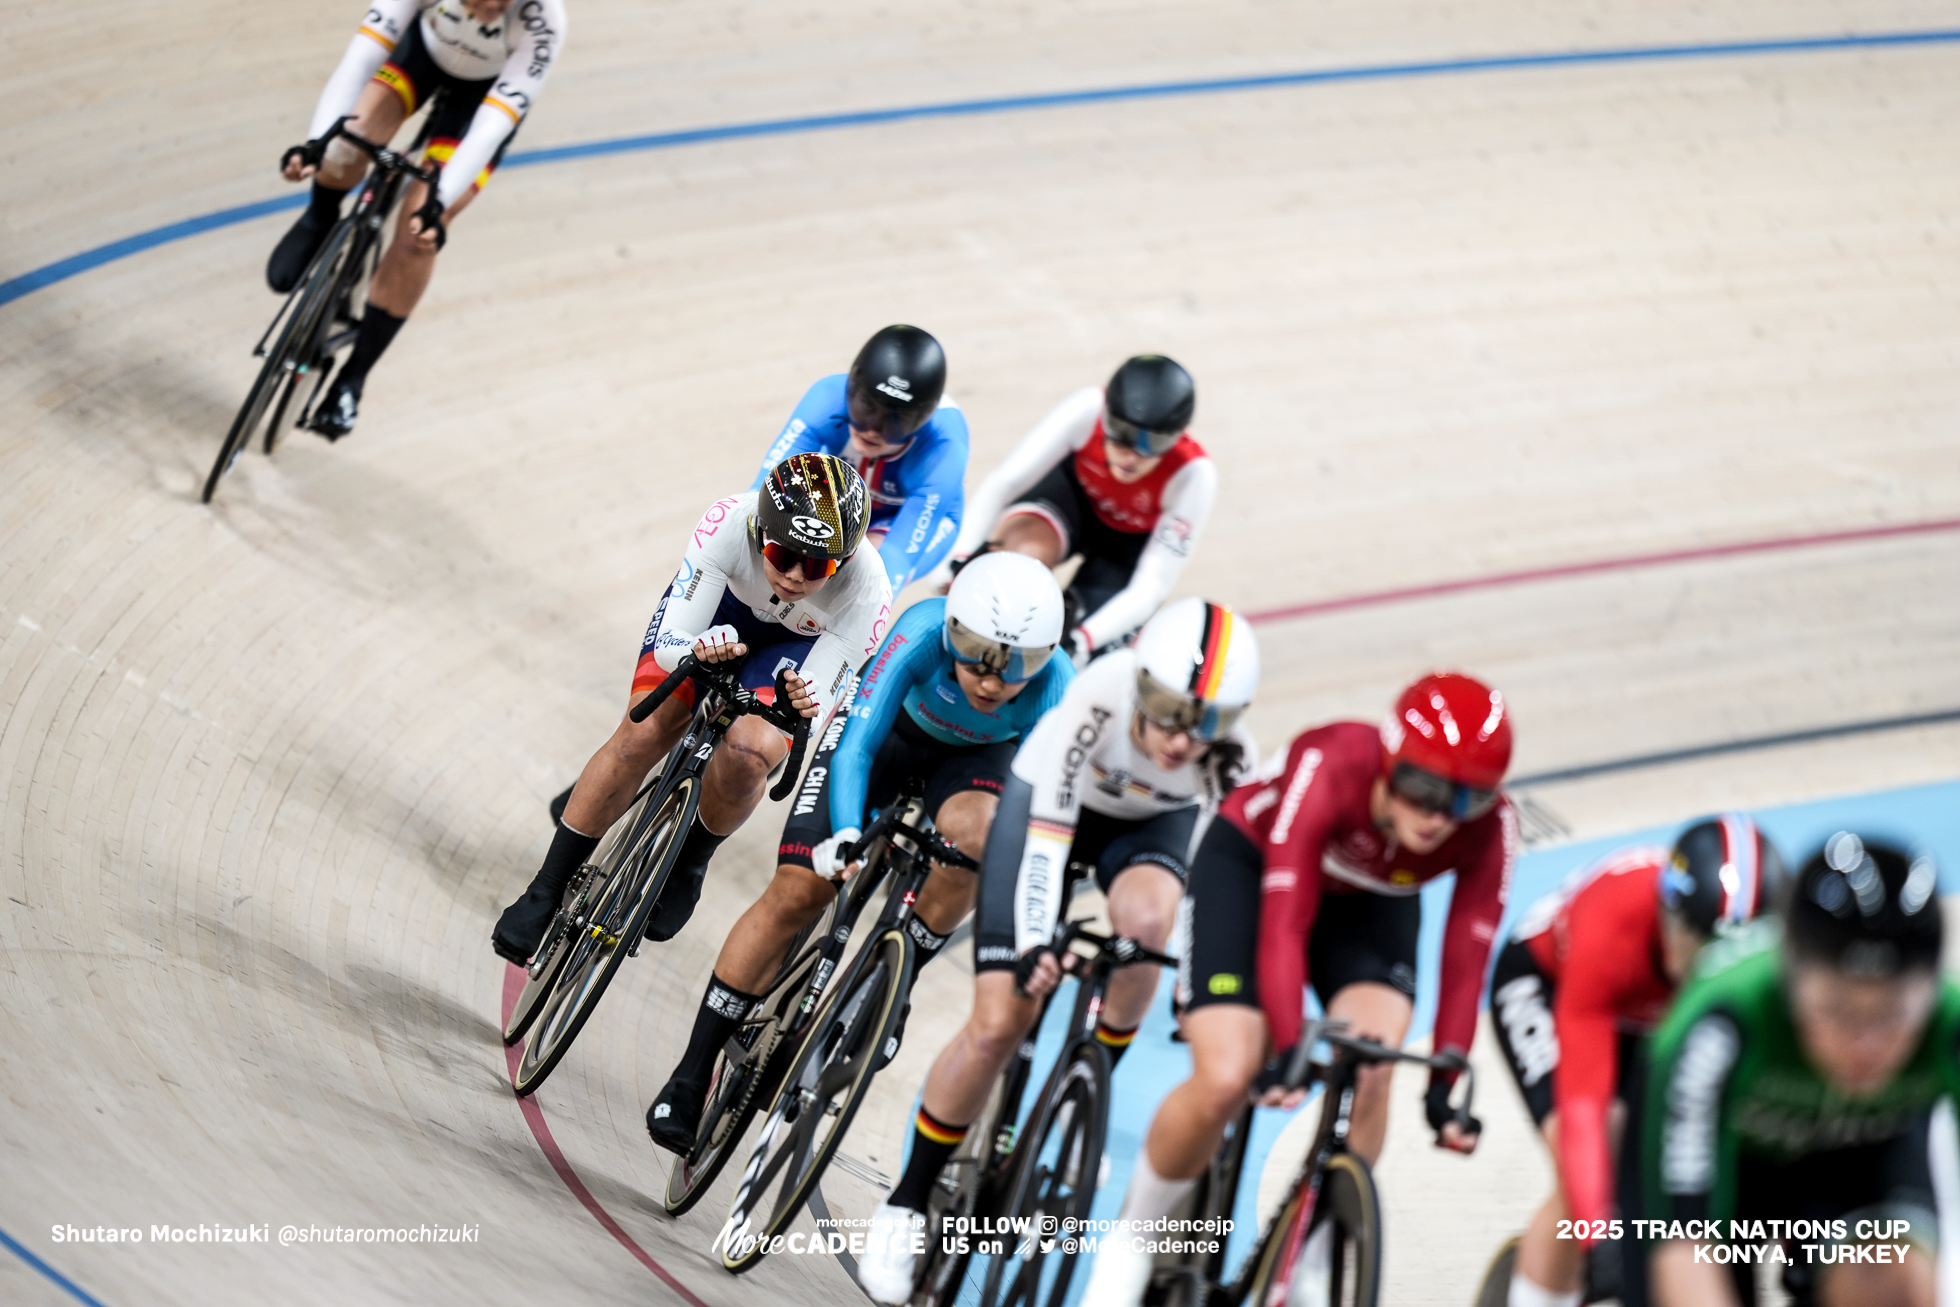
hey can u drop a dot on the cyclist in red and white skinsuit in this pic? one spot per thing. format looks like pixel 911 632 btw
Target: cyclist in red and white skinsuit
pixel 1110 474
pixel 1312 875
pixel 1590 971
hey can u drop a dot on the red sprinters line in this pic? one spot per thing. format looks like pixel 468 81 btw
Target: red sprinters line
pixel 1601 565
pixel 534 1117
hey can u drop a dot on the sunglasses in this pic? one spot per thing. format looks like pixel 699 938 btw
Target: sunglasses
pixel 1012 663
pixel 891 426
pixel 786 560
pixel 1125 434
pixel 1178 713
pixel 1439 794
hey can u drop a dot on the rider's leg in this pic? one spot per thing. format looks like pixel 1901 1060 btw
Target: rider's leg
pixel 377 115
pixel 1381 1013
pixel 964 819
pixel 733 785
pixel 1032 534
pixel 1548 1266
pixel 962 1077
pixel 1143 903
pixel 604 792
pixel 1228 1047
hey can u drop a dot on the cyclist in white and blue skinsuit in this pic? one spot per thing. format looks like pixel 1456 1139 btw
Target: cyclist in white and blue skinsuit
pixel 886 418
pixel 941 706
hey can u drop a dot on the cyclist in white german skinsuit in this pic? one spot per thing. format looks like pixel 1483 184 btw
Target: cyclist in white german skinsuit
pixel 489 58
pixel 1116 779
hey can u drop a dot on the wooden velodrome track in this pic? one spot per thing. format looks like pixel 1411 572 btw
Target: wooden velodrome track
pixel 271 767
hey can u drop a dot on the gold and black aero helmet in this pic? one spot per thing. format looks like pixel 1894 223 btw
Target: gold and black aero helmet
pixel 814 506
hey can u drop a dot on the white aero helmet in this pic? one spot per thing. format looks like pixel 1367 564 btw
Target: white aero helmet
pixel 1004 612
pixel 1197 668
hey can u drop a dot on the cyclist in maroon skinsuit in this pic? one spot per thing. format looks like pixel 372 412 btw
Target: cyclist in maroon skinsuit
pixel 1313 876
pixel 1590 971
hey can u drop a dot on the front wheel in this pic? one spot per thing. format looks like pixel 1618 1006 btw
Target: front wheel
pixel 822 1088
pixel 1496 1289
pixel 623 901
pixel 582 897
pixel 1341 1268
pixel 287 357
pixel 1054 1180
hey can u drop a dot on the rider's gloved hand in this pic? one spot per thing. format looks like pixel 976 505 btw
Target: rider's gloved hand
pixel 1076 645
pixel 1273 1074
pixel 829 864
pixel 1031 977
pixel 1453 1131
pixel 718 643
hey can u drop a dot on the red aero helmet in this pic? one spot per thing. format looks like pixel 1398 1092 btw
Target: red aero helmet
pixel 1450 725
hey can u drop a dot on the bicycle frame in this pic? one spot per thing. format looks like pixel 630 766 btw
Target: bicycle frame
pixel 1336 1078
pixel 910 851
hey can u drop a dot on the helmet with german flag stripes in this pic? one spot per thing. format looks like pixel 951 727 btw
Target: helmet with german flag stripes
pixel 1197 668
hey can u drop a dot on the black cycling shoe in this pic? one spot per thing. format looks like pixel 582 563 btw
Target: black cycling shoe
pixel 295 251
pixel 675 1116
pixel 338 409
pixel 558 806
pixel 521 929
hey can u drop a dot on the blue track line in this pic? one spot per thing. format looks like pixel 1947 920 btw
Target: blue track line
pixel 88 260
pixel 75 1291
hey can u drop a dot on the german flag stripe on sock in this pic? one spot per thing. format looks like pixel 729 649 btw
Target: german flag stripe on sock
pixel 938 1131
pixel 1113 1038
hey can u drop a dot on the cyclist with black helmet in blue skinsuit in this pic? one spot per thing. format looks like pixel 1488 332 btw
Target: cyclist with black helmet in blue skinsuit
pixel 888 418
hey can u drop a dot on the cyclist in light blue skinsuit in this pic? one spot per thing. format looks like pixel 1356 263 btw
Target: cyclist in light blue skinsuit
pixel 886 418
pixel 941 705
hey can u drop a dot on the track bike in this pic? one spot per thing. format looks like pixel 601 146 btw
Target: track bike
pixel 1334 1188
pixel 1042 1174
pixel 606 907
pixel 804 1059
pixel 322 314
pixel 1056 1165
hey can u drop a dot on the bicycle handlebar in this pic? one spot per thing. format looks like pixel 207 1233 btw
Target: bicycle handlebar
pixel 932 844
pixel 1301 1069
pixel 714 676
pixel 1127 952
pixel 315 150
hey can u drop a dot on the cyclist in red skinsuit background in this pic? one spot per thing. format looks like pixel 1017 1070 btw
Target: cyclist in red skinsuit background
pixel 1589 971
pixel 1313 874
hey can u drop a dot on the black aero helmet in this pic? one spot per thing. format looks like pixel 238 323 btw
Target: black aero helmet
pixel 895 382
pixel 1148 403
pixel 813 506
pixel 1721 873
pixel 1866 908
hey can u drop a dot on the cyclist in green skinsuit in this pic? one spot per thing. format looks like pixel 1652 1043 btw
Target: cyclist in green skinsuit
pixel 1793 1082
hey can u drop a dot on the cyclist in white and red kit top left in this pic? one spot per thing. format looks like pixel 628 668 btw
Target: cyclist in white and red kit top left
pixel 489 59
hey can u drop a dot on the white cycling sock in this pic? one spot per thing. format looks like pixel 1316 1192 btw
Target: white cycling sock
pixel 1525 1293
pixel 1151 1195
